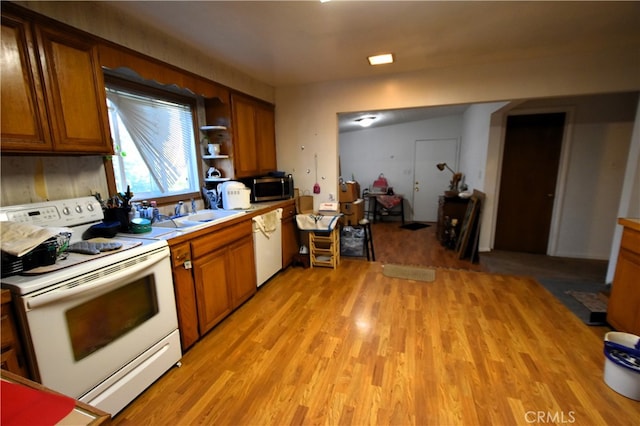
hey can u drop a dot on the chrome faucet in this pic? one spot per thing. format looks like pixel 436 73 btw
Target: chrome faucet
pixel 193 206
pixel 162 217
pixel 179 209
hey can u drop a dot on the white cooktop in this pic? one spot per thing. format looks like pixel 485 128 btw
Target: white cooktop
pixel 78 214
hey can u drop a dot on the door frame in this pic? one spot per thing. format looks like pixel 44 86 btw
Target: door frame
pixel 563 170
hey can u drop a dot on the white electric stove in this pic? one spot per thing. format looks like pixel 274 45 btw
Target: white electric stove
pixel 99 328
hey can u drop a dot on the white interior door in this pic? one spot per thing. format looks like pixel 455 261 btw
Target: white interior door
pixel 429 182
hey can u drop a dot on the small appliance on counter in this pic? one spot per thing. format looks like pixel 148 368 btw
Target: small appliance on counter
pixel 278 186
pixel 235 195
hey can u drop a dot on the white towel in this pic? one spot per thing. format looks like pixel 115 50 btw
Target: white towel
pixel 19 239
pixel 267 223
pixel 310 222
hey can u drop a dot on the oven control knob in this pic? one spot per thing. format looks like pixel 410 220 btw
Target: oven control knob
pixel 79 209
pixel 65 211
pixel 90 207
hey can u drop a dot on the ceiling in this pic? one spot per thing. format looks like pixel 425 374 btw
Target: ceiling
pixel 347 121
pixel 300 42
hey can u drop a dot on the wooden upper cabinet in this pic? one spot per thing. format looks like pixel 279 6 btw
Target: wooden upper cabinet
pixel 75 92
pixel 53 95
pixel 254 143
pixel 24 124
pixel 266 137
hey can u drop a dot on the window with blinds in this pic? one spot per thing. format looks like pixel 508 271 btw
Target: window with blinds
pixel 154 142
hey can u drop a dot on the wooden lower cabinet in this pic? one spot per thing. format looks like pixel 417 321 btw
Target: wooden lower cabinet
pixel 12 358
pixel 290 241
pixel 185 294
pixel 623 310
pixel 213 274
pixel 242 271
pixel 213 295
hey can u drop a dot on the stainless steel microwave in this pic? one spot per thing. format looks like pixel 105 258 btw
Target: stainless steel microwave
pixel 270 188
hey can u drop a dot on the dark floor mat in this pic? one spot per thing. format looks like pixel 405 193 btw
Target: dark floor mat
pixel 414 226
pixel 564 290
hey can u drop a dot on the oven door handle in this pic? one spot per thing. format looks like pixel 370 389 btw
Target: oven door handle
pixel 70 290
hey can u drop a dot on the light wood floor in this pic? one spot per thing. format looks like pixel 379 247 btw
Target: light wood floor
pixel 352 346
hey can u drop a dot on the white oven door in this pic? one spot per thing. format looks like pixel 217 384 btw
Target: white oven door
pixel 86 329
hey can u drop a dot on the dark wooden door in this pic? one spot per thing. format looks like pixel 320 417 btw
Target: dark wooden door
pixel 528 181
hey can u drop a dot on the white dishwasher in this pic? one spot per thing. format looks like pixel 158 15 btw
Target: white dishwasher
pixel 267 245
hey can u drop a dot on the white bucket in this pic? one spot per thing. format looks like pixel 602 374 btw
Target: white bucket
pixel 622 363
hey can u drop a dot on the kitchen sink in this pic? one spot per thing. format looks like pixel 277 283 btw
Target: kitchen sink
pixel 199 220
pixel 212 215
pixel 174 224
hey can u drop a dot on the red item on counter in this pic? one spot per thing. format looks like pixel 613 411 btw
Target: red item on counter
pixel 22 405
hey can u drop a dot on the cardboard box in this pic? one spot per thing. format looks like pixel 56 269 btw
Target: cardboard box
pixel 329 208
pixel 348 192
pixel 304 204
pixel 353 212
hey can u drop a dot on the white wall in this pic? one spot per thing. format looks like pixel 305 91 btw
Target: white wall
pixel 630 198
pixel 306 115
pixel 476 125
pixel 390 150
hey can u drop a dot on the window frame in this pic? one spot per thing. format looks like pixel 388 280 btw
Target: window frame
pixel 148 90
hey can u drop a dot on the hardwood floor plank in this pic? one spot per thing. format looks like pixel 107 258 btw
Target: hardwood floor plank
pixel 352 346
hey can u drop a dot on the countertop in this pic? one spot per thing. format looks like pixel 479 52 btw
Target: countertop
pixel 183 235
pixel 630 222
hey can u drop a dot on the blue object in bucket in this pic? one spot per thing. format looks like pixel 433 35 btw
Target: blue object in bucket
pixel 625 356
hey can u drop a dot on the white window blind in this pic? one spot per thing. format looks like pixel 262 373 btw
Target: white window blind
pixel 155 143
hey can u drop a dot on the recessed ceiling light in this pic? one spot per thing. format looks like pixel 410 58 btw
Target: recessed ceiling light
pixel 366 121
pixel 386 58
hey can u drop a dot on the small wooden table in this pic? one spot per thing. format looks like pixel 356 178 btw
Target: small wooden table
pixel 378 207
pixel 82 414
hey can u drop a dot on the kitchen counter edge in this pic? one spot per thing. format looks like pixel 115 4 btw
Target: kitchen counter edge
pixel 628 222
pixel 257 209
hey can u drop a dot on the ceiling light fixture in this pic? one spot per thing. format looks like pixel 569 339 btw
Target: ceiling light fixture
pixel 385 58
pixel 366 121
